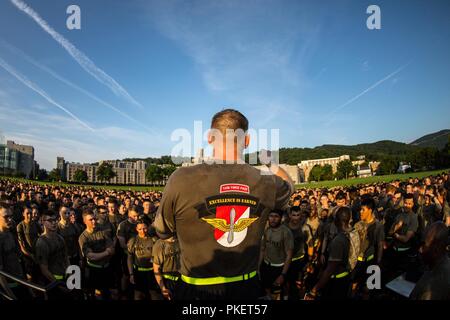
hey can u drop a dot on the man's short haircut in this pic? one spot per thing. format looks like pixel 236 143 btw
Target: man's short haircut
pixel 295 209
pixel 49 213
pixel 368 202
pixel 343 215
pixel 390 188
pixel 4 206
pixel 112 200
pixel 278 212
pixel 87 212
pixel 142 221
pixel 409 196
pixel 229 119
pixel 340 195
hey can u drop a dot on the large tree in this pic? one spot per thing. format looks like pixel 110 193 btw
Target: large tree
pixel 167 171
pixel 315 174
pixel 387 166
pixel 54 175
pixel 42 175
pixel 80 176
pixel 105 172
pixel 154 173
pixel 327 172
pixel 345 169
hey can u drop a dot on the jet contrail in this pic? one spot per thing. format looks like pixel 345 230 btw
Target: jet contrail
pixel 376 84
pixel 67 82
pixel 79 56
pixel 39 91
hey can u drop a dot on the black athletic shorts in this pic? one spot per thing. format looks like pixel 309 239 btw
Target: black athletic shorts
pixel 145 281
pixel 99 278
pixel 240 290
pixel 337 289
pixel 295 271
pixel 269 274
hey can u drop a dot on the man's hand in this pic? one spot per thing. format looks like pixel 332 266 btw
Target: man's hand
pixel 398 226
pixel 310 296
pixel 132 279
pixel 110 251
pixel 322 259
pixel 279 281
pixel 166 293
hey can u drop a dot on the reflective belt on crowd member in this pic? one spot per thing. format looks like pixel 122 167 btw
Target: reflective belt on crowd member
pixel 340 275
pixel 367 259
pixel 93 265
pixel 143 268
pixel 401 249
pixel 298 258
pixel 170 277
pixel 217 280
pixel 58 277
pixel 274 264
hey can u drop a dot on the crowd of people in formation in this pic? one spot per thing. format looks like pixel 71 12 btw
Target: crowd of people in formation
pixel 320 248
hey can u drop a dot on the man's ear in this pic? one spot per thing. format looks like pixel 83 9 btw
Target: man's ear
pixel 246 141
pixel 210 137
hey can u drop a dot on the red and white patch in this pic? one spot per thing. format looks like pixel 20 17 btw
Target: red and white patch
pixel 223 212
pixel 234 187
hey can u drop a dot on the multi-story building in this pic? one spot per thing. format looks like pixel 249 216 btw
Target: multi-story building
pixel 17 158
pixel 60 166
pixel 307 165
pixel 127 172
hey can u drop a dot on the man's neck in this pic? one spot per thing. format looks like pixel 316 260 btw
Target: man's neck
pixel 370 219
pixel 294 224
pixel 49 233
pixel 229 156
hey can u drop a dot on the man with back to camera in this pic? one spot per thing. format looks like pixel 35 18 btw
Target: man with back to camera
pixel 219 227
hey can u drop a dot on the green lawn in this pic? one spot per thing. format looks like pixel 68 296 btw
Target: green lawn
pixel 109 187
pixel 321 184
pixel 356 181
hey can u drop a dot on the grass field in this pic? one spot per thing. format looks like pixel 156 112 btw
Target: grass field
pixel 374 179
pixel 321 184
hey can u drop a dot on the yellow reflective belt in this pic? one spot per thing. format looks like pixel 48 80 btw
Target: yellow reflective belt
pixel 170 277
pixel 401 249
pixel 217 280
pixel 58 276
pixel 93 265
pixel 367 259
pixel 143 268
pixel 298 258
pixel 340 275
pixel 274 264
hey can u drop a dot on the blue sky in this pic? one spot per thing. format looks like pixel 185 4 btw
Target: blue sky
pixel 138 70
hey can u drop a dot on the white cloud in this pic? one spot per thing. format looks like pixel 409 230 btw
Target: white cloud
pixel 40 91
pixel 245 51
pixel 67 82
pixel 365 66
pixel 57 135
pixel 87 64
